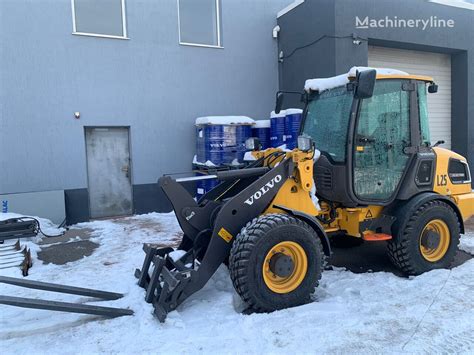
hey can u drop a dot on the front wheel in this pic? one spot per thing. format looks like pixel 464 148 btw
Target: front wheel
pixel 276 262
pixel 428 241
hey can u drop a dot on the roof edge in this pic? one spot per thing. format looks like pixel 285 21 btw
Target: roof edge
pixel 290 7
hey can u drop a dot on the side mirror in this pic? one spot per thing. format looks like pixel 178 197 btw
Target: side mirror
pixel 279 102
pixel 433 88
pixel 365 84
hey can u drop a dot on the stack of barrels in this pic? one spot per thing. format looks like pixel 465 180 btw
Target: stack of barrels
pixel 281 130
pixel 220 145
pixel 220 141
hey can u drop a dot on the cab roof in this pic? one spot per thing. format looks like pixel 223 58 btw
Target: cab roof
pixel 322 84
pixel 408 76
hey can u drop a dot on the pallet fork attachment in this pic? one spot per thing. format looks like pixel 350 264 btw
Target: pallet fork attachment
pixel 210 227
pixel 62 306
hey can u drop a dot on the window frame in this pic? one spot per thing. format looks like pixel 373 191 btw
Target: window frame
pixel 218 26
pixel 90 34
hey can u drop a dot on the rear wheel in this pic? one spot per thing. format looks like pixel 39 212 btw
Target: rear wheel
pixel 276 262
pixel 428 241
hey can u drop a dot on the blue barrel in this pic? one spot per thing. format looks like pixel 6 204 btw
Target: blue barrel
pixel 277 128
pixel 204 186
pixel 261 130
pixel 5 206
pixel 292 127
pixel 222 144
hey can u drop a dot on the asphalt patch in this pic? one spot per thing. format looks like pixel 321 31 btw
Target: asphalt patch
pixel 63 253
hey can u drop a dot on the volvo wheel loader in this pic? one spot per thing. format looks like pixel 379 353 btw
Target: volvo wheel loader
pixel 377 178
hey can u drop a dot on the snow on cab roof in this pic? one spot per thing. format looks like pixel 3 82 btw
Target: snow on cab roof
pixel 224 120
pixel 340 80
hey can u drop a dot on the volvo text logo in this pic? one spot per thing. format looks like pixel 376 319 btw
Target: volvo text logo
pixel 263 190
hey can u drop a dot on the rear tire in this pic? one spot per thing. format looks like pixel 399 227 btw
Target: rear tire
pixel 410 252
pixel 253 251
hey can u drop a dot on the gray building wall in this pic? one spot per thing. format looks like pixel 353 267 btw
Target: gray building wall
pixel 150 83
pixel 331 56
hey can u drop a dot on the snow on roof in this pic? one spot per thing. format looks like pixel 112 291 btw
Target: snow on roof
pixel 224 120
pixel 282 113
pixel 293 111
pixel 340 80
pixel 262 124
pixel 382 71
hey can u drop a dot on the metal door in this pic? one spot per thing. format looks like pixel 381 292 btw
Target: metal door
pixel 108 171
pixel 382 134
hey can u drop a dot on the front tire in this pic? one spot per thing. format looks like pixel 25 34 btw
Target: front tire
pixel 276 262
pixel 428 241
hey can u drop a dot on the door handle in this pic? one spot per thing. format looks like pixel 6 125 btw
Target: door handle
pixel 126 170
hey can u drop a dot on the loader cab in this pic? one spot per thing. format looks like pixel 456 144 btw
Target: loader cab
pixel 375 146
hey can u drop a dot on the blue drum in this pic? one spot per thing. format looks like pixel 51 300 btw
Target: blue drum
pixel 292 127
pixel 204 186
pixel 220 141
pixel 277 128
pixel 261 130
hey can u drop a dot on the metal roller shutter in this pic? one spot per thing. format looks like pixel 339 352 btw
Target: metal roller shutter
pixel 436 65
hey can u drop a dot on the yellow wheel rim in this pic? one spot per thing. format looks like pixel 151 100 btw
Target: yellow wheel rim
pixel 300 266
pixel 435 254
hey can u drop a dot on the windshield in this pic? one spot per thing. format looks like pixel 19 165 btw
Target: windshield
pixel 327 121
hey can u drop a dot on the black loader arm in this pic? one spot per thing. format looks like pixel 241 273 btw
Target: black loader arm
pixel 173 281
pixel 234 215
pixel 182 202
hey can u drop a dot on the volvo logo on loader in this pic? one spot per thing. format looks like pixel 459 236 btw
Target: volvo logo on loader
pixel 263 190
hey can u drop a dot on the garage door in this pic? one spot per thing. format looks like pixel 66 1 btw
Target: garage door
pixel 436 65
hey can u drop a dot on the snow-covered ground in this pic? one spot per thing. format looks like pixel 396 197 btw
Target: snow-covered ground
pixel 351 313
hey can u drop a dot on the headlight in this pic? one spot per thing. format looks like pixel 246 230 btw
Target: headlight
pixel 305 143
pixel 252 144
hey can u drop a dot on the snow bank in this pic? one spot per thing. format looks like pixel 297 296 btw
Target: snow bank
pixel 467 243
pixel 322 84
pixel 430 313
pixel 224 120
pixel 262 124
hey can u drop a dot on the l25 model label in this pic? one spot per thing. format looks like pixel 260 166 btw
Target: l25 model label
pixel 441 180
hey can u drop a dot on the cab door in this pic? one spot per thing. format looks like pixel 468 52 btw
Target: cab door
pixel 382 133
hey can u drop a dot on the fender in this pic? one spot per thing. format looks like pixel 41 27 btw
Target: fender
pixel 314 223
pixel 402 210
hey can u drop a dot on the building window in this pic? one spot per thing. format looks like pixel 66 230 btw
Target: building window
pixel 200 23
pixel 101 18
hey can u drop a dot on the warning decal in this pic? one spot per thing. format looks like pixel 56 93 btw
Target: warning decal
pixel 369 215
pixel 224 234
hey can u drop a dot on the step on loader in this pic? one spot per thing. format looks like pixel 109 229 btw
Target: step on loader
pixel 378 178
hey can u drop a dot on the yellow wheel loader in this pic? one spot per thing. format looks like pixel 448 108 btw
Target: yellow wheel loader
pixel 376 177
